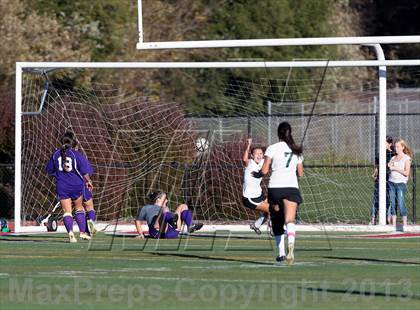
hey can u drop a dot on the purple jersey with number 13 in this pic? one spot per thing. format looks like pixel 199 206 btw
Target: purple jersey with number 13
pixel 69 182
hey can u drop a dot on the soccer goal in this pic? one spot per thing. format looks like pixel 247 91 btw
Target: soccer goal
pixel 182 128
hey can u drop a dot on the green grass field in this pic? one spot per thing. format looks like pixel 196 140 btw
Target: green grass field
pixel 345 195
pixel 332 271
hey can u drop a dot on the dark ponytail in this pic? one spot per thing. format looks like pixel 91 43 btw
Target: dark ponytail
pixel 67 142
pixel 153 196
pixel 390 140
pixel 284 132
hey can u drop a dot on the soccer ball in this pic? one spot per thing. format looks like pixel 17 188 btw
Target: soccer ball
pixel 202 144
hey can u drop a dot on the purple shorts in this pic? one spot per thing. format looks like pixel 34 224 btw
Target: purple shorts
pixel 87 194
pixel 171 233
pixel 73 192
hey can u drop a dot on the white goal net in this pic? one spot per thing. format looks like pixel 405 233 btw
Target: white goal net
pixel 184 131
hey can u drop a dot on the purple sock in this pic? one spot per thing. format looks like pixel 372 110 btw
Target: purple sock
pixel 186 217
pixel 91 215
pixel 81 221
pixel 68 222
pixel 86 225
pixel 168 217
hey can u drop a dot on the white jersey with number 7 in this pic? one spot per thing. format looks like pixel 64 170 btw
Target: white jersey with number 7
pixel 283 165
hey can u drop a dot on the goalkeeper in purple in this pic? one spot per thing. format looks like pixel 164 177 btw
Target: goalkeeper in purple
pixel 70 168
pixel 163 223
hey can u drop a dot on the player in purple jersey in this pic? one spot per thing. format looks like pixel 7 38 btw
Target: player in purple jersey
pixel 161 221
pixel 71 172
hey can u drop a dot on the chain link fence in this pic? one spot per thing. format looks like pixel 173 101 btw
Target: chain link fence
pixel 339 150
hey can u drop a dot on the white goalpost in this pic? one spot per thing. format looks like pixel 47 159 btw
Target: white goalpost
pixel 189 177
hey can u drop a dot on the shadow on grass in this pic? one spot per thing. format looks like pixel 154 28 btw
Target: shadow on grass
pixel 35 239
pixel 360 293
pixel 372 260
pixel 225 259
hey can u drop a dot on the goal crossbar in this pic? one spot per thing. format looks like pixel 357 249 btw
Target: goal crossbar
pixel 277 42
pixel 231 64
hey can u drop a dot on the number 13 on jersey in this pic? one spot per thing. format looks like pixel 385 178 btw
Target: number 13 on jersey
pixel 68 165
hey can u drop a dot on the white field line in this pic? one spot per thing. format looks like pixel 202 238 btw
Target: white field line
pixel 241 228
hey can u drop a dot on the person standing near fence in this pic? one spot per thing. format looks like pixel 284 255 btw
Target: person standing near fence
pixel 399 167
pixel 375 203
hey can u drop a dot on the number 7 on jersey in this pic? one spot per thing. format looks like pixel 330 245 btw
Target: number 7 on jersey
pixel 290 154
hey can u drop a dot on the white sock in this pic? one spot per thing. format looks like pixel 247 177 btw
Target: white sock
pixel 280 245
pixel 291 233
pixel 261 220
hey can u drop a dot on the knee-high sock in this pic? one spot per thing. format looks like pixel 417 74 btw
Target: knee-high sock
pixel 261 220
pixel 91 215
pixel 291 232
pixel 280 244
pixel 168 217
pixel 81 220
pixel 186 217
pixel 68 221
pixel 277 222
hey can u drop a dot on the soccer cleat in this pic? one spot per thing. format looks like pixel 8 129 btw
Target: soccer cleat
pixel 195 227
pixel 84 236
pixel 72 238
pixel 92 228
pixel 290 258
pixel 280 258
pixel 255 228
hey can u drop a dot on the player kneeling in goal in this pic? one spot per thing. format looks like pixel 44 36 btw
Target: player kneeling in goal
pixel 161 221
pixel 252 195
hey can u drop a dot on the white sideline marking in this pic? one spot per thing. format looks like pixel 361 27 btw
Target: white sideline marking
pixel 238 228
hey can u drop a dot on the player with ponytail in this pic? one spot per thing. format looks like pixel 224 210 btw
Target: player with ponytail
pixel 163 223
pixel 71 172
pixel 286 162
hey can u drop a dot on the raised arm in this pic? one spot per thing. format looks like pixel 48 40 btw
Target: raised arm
pixel 245 157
